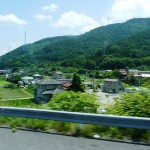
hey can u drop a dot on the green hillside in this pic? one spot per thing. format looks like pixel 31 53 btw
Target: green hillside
pixel 86 50
pixel 133 52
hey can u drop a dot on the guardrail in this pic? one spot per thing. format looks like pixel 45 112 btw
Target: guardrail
pixel 82 118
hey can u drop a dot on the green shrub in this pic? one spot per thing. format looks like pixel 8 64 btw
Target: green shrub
pixel 74 102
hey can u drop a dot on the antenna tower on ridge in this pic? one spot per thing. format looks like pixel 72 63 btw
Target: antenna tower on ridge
pixel 25 42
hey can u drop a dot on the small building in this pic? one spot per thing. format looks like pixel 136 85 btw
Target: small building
pixel 8 76
pixel 2 71
pixel 57 75
pixel 145 75
pixel 67 86
pixel 112 86
pixel 21 84
pixel 123 72
pixel 27 80
pixel 64 80
pixel 8 71
pixel 44 89
pixel 37 76
pixel 88 84
pixel 144 72
pixel 22 71
pixel 133 72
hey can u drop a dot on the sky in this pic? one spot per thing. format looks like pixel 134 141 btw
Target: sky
pixel 49 18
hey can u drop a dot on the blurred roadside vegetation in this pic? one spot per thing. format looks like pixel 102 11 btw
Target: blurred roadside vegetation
pixel 134 104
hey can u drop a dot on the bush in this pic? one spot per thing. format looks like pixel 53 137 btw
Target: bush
pixel 74 102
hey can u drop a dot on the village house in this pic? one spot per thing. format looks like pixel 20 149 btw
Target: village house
pixel 57 75
pixel 44 89
pixel 64 80
pixel 112 86
pixel 2 71
pixel 37 76
pixel 123 72
pixel 88 84
pixel 144 72
pixel 133 72
pixel 27 80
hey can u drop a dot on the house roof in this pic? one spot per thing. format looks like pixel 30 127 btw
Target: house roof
pixel 48 81
pixel 58 72
pixel 67 85
pixel 132 70
pixel 111 80
pixel 27 78
pixel 56 91
pixel 146 75
pixel 36 75
pixel 64 80
pixel 47 92
pixel 87 83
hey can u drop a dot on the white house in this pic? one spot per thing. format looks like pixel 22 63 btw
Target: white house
pixel 112 86
pixel 37 76
pixel 27 80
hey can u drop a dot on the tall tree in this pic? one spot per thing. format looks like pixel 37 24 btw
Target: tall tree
pixel 77 83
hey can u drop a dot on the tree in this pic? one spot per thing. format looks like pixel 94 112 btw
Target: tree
pixel 74 102
pixel 15 79
pixel 133 104
pixel 97 74
pixel 127 70
pixel 76 83
pixel 116 74
pixel 90 64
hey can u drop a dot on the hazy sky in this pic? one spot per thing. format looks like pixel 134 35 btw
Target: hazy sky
pixel 48 18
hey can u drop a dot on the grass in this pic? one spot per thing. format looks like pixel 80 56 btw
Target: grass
pixel 3 82
pixel 27 103
pixel 2 77
pixel 6 93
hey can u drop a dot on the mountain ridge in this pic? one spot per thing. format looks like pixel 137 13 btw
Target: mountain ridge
pixel 60 48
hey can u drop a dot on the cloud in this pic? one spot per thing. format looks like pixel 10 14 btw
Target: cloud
pixel 11 18
pixel 41 17
pixel 51 8
pixel 126 9
pixel 73 20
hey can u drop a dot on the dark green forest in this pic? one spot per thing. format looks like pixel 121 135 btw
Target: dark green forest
pixel 114 46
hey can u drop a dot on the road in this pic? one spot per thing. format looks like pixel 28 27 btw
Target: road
pixel 104 99
pixel 26 140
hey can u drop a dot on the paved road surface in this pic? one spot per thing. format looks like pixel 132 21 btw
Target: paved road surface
pixel 25 140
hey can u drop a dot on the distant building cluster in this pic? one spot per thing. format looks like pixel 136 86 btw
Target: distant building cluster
pixel 46 88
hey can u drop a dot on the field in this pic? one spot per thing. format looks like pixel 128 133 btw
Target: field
pixel 6 93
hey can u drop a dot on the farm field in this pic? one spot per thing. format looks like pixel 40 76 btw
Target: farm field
pixel 6 93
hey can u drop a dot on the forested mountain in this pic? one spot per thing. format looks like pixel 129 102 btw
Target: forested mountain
pixel 133 52
pixel 107 47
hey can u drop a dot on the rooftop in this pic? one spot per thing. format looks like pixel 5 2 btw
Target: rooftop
pixel 48 81
pixel 56 91
pixel 36 75
pixel 111 80
pixel 27 78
